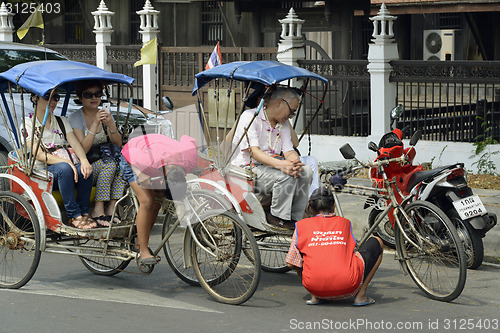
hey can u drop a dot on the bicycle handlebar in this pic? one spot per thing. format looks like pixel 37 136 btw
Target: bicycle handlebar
pixel 376 164
pixel 379 163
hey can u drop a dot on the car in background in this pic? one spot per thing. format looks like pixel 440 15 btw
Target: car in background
pixel 12 54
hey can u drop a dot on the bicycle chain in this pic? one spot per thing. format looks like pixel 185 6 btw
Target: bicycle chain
pixel 119 270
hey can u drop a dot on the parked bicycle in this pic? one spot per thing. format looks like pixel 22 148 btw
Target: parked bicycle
pixel 427 244
pixel 446 187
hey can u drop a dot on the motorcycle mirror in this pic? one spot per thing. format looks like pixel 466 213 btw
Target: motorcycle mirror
pixel 397 111
pixel 373 146
pixel 415 137
pixel 347 151
pixel 168 102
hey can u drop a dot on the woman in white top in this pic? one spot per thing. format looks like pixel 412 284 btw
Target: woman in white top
pixel 71 169
pixel 94 126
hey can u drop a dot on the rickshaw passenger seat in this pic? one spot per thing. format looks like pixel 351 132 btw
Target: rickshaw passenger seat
pixel 57 195
pixel 240 172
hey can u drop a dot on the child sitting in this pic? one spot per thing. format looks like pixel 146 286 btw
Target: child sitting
pixel 323 253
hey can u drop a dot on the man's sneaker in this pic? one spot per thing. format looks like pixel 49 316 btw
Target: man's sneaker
pixel 279 223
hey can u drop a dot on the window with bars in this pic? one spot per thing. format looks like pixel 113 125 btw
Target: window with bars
pixel 291 4
pixel 366 35
pixel 73 22
pixel 135 22
pixel 449 20
pixel 211 23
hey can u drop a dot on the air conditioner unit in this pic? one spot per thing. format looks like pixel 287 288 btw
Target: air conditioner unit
pixel 439 44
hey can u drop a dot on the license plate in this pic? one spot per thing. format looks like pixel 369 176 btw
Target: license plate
pixel 469 207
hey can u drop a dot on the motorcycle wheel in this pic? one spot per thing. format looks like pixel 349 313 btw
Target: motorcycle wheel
pixel 384 230
pixel 473 244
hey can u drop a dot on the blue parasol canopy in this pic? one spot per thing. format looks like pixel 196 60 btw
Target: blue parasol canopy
pixel 42 76
pixel 265 72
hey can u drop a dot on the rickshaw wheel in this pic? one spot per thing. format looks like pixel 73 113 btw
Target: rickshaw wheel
pixel 174 247
pixel 4 182
pixel 273 250
pixel 19 241
pixel 98 265
pixel 204 200
pixel 109 266
pixel 224 273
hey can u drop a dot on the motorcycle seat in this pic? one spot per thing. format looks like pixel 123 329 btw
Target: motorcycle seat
pixel 419 176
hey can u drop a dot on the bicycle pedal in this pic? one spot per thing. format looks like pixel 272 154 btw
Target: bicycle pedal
pixel 144 267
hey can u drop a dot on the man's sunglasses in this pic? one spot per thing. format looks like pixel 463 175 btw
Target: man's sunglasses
pixel 292 112
pixel 55 97
pixel 89 95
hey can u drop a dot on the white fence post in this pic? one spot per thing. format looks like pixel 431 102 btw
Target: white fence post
pixel 291 44
pixel 6 24
pixel 149 30
pixel 380 53
pixel 291 48
pixel 102 30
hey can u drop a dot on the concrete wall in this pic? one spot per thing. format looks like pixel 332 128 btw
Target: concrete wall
pixel 326 148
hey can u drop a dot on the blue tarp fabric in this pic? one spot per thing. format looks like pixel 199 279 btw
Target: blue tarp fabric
pixel 42 76
pixel 264 72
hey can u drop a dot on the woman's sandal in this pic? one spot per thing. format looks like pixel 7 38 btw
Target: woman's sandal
pixel 90 220
pixel 102 221
pixel 81 223
pixel 116 220
pixel 150 260
pixel 317 302
pixel 147 261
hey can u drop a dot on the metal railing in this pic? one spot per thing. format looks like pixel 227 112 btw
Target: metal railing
pixel 449 100
pixel 347 103
pixel 122 59
pixel 76 52
pixel 181 64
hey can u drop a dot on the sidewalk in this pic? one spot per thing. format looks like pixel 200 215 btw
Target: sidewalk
pixel 352 207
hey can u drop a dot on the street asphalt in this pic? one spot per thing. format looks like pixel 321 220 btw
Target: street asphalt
pixel 63 296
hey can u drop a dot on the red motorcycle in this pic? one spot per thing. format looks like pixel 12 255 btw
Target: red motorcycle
pixel 446 187
pixel 390 146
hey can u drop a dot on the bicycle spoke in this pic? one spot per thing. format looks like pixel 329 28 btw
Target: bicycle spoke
pixel 273 250
pixel 19 241
pixel 202 201
pixel 435 256
pixel 229 276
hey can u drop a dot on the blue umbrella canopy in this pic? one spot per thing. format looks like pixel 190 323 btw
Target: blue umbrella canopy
pixel 42 76
pixel 264 72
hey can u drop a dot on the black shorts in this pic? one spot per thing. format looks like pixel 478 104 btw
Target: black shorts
pixel 370 251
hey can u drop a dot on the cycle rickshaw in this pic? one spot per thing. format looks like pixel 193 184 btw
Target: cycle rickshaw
pixel 217 245
pixel 242 85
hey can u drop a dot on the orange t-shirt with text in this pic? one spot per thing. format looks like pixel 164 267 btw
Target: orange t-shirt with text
pixel 330 265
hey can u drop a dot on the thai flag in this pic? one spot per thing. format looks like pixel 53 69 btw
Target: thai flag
pixel 215 58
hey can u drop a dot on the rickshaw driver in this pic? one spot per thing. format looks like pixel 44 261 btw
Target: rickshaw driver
pixel 152 156
pixel 286 181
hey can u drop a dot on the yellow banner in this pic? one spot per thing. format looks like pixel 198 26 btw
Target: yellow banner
pixel 148 53
pixel 34 21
